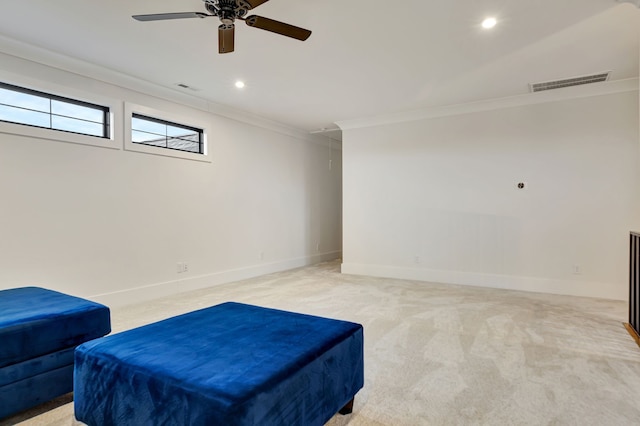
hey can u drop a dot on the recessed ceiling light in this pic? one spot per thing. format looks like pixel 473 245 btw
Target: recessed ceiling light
pixel 239 84
pixel 489 23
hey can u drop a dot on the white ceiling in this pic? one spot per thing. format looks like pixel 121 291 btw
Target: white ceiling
pixel 364 58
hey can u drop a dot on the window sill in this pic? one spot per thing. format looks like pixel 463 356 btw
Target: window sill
pixel 56 135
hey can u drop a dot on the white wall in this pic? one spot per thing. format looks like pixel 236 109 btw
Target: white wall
pixel 111 224
pixel 436 199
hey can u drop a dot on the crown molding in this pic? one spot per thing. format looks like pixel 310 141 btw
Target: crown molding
pixel 633 2
pixel 38 55
pixel 583 91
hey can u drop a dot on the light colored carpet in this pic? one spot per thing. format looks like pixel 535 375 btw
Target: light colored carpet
pixel 444 355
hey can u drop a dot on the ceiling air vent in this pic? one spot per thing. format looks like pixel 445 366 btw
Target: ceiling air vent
pixel 568 82
pixel 186 86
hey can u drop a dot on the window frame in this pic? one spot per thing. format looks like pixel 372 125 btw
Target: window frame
pixel 168 124
pixel 106 123
pixel 131 109
pixel 71 96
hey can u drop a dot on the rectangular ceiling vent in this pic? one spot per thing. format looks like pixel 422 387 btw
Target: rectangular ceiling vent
pixel 568 82
pixel 186 86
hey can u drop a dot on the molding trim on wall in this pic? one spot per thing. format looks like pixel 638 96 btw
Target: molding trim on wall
pixel 325 142
pixel 84 69
pixel 576 92
pixel 475 279
pixel 633 2
pixel 169 288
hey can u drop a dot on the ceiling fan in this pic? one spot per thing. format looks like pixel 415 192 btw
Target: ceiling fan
pixel 228 11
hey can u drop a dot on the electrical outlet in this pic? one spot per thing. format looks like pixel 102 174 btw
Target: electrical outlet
pixel 185 267
pixel 416 259
pixel 577 270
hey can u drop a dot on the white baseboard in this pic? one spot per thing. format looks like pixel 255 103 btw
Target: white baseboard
pixel 157 290
pixel 508 282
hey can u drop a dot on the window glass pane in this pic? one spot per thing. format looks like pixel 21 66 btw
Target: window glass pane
pixel 183 145
pixel 165 134
pixel 148 126
pixel 181 132
pixel 76 126
pixel 193 137
pixel 24 100
pixel 24 116
pixel 148 138
pixel 77 111
pixel 25 106
pixel 176 131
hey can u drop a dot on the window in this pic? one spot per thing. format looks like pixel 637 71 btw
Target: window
pixel 165 134
pixel 38 109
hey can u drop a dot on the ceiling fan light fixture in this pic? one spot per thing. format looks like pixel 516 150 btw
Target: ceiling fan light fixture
pixel 489 23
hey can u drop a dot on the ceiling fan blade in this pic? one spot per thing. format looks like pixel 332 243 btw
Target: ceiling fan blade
pixel 255 3
pixel 165 16
pixel 226 36
pixel 277 27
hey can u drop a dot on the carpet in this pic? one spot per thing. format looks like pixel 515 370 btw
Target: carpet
pixel 443 354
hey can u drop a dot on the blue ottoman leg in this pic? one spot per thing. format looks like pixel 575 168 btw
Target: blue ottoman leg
pixel 348 408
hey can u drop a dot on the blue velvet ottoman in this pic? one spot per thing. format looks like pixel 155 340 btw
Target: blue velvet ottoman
pixel 39 330
pixel 231 364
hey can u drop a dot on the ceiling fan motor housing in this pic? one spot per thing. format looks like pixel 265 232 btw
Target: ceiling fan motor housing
pixel 227 10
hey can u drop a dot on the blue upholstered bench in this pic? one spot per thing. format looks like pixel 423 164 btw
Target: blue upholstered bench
pixel 39 330
pixel 231 364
